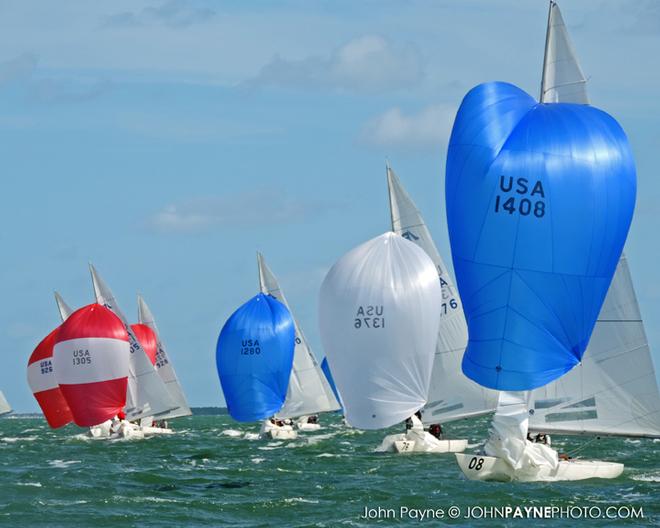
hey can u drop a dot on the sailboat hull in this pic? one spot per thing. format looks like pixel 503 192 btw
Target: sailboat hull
pixel 487 468
pixel 275 432
pixel 402 443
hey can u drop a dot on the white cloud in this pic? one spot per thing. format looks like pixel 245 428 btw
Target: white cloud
pixel 265 207
pixel 369 63
pixel 430 127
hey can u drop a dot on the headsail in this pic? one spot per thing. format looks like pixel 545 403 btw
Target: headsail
pixel 309 391
pixel 451 395
pixel 64 309
pixel 5 408
pixel 164 366
pixel 614 390
pixel 147 394
pixel 563 80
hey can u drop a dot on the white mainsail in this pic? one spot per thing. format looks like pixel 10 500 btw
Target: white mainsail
pixel 452 395
pixel 164 366
pixel 614 390
pixel 63 308
pixel 563 80
pixel 309 391
pixel 5 408
pixel 147 395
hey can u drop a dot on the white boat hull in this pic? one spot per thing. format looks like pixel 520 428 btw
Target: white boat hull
pixel 275 432
pixel 403 443
pixel 488 468
pixel 152 431
pixel 308 427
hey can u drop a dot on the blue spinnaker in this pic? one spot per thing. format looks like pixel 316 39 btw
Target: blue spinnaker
pixel 539 201
pixel 254 356
pixel 325 367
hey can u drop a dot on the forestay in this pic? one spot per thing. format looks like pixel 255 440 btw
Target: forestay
pixel 308 392
pixel 147 394
pixel 379 312
pixel 451 394
pixel 164 366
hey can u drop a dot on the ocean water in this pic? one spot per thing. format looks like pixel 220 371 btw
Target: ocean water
pixel 209 474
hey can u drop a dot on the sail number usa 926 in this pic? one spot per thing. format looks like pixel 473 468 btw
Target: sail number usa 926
pixel 523 196
pixel 369 316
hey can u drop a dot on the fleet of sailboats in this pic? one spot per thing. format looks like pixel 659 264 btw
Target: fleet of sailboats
pixel 394 326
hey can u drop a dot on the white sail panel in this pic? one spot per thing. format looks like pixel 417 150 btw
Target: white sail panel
pixel 614 390
pixel 451 395
pixel 146 394
pixel 164 366
pixel 379 312
pixel 62 307
pixel 4 405
pixel 563 80
pixel 309 391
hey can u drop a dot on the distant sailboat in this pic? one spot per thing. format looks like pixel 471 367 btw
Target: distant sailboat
pixel 164 367
pixel 379 312
pixel 147 394
pixel 309 392
pixel 613 391
pixel 254 356
pixel 5 408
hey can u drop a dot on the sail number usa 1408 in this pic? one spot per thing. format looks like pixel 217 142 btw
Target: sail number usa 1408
pixel 520 195
pixel 369 316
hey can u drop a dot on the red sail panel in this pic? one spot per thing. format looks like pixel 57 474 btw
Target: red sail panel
pixel 91 364
pixel 41 379
pixel 147 339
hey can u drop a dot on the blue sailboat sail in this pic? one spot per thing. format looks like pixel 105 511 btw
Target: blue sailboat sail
pixel 254 357
pixel 539 201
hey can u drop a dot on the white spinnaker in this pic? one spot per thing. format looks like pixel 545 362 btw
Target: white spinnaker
pixel 452 395
pixel 563 80
pixel 164 366
pixel 146 394
pixel 63 308
pixel 379 312
pixel 309 391
pixel 4 405
pixel 614 390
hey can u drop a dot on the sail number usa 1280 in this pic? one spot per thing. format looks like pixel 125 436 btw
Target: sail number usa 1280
pixel 369 316
pixel 522 196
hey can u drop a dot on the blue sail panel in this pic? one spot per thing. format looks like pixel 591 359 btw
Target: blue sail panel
pixel 539 202
pixel 325 367
pixel 254 357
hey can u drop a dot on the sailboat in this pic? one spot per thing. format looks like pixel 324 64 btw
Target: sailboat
pixel 165 369
pixel 533 283
pixel 5 408
pixel 379 312
pixel 254 357
pixel 613 391
pixel 452 396
pixel 147 394
pixel 309 392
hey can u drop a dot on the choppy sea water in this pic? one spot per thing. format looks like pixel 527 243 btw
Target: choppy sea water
pixel 209 474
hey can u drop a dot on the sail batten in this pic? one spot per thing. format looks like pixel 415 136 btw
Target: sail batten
pixel 309 391
pixel 450 389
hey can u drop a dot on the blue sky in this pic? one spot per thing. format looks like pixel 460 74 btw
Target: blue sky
pixel 168 141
